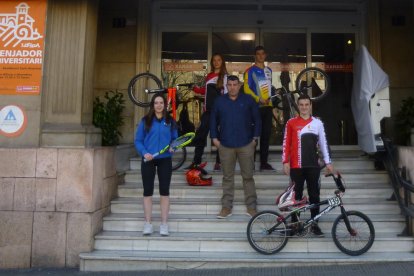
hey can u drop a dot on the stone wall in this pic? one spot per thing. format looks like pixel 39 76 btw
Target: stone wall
pixel 52 201
pixel 396 61
pixel 406 159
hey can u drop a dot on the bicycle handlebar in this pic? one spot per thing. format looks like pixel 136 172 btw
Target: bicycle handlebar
pixel 153 91
pixel 338 181
pixel 186 84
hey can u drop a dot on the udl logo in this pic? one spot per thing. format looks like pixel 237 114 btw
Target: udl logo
pixel 13 121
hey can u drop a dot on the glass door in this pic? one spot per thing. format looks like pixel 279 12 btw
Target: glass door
pixel 184 60
pixel 333 52
pixel 286 56
pixel 237 49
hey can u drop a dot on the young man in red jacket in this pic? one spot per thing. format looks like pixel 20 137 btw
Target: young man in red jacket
pixel 304 137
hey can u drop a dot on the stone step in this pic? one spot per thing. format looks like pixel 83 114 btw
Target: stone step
pixel 234 224
pixel 135 260
pixel 269 193
pixel 213 206
pixel 275 181
pixel 352 176
pixel 341 164
pixel 234 242
pixel 199 240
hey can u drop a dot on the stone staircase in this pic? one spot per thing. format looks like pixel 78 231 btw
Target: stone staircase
pixel 198 240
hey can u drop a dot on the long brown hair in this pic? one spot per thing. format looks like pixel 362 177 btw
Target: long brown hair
pixel 222 72
pixel 148 118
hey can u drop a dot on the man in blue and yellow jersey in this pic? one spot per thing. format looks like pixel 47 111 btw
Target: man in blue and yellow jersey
pixel 258 84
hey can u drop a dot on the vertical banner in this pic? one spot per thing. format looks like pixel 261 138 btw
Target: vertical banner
pixel 22 33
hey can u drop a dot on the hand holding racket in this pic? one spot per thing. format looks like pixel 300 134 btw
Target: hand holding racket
pixel 178 143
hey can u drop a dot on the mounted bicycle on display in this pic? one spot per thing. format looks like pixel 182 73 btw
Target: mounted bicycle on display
pixel 146 84
pixel 268 231
pixel 311 81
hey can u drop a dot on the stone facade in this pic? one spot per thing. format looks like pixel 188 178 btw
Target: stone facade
pixel 52 202
pixel 406 159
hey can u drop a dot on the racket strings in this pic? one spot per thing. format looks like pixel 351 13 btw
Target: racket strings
pixel 180 140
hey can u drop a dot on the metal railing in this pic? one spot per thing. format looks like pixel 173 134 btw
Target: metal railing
pixel 403 189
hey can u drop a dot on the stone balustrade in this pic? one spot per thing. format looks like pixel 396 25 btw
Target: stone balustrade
pixel 52 201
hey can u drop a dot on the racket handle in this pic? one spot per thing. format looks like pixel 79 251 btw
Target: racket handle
pixel 154 155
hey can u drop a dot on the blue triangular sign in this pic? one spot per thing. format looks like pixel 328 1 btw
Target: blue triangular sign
pixel 10 116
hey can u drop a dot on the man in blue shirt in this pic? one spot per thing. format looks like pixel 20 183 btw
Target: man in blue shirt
pixel 235 126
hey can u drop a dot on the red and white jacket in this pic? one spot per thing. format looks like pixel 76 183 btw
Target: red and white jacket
pixel 302 141
pixel 210 90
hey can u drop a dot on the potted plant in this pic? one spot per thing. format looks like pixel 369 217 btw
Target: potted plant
pixel 107 115
pixel 405 119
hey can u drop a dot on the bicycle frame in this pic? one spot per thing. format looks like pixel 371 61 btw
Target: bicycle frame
pixel 332 203
pixel 171 96
pixel 171 100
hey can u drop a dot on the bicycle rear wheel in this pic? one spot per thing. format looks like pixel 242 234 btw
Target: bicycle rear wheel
pixel 178 158
pixel 314 82
pixel 258 232
pixel 141 86
pixel 361 237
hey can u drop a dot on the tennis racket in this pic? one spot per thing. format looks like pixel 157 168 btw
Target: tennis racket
pixel 178 143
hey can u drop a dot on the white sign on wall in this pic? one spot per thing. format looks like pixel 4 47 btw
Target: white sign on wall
pixel 13 121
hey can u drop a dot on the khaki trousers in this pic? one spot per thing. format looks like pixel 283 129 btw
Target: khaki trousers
pixel 245 157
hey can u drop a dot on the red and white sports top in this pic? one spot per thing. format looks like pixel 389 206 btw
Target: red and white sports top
pixel 301 142
pixel 210 90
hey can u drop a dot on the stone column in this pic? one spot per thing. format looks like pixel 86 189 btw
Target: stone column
pixel 143 46
pixel 67 98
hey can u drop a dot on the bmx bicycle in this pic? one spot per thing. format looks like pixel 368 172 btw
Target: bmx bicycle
pixel 311 81
pixel 352 231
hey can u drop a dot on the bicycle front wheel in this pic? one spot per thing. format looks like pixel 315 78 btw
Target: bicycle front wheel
pixel 314 82
pixel 141 86
pixel 361 237
pixel 261 239
pixel 178 158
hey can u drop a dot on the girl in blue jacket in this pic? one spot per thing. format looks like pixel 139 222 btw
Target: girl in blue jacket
pixel 156 130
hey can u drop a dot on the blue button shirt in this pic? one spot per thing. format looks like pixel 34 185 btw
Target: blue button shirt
pixel 235 122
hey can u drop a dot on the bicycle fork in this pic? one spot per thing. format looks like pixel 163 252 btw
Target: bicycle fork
pixel 172 101
pixel 351 231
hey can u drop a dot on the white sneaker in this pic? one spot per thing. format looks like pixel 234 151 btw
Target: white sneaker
pixel 147 229
pixel 164 229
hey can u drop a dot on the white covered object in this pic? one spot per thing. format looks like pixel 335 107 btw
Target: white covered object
pixel 369 79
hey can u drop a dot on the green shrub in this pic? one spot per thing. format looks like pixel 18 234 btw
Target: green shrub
pixel 107 115
pixel 405 119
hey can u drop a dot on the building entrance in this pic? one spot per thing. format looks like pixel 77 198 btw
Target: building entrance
pixel 185 58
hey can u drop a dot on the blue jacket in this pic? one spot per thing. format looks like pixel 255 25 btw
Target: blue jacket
pixel 159 136
pixel 235 122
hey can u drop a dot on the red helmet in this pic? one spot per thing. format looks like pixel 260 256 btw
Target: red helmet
pixel 195 177
pixel 287 199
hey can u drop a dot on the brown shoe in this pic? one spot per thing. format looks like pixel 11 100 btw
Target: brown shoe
pixel 251 212
pixel 224 213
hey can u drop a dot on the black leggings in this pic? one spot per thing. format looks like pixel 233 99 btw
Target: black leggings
pixel 164 171
pixel 312 178
pixel 200 139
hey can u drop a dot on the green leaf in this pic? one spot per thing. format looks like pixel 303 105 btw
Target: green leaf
pixel 107 115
